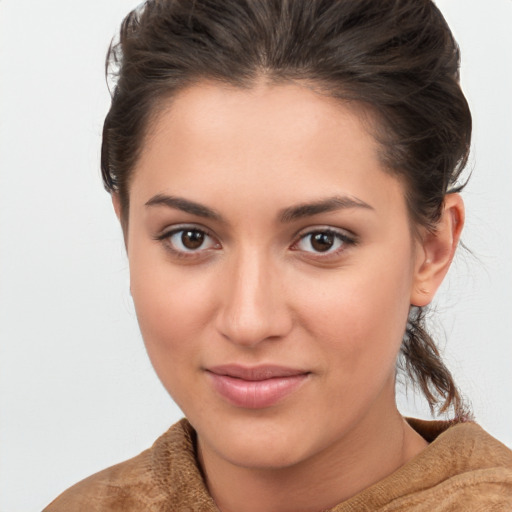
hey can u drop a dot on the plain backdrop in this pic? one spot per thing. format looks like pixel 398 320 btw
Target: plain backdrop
pixel 77 392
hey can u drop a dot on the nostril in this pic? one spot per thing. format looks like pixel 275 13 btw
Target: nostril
pixel 250 326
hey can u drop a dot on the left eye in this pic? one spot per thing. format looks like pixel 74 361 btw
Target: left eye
pixel 189 240
pixel 322 242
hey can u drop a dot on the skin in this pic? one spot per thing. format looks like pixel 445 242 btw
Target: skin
pixel 258 292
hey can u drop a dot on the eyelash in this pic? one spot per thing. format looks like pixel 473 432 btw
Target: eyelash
pixel 343 239
pixel 166 237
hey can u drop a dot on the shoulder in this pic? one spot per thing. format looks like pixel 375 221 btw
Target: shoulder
pixel 115 488
pixel 481 468
pixel 147 482
pixel 462 446
pixel 463 468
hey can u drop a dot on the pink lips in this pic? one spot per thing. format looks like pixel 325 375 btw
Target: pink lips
pixel 256 387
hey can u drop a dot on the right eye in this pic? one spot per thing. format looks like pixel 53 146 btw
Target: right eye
pixel 188 241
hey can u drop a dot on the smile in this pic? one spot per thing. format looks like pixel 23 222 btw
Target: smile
pixel 257 387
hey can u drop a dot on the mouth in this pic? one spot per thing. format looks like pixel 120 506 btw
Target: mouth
pixel 255 387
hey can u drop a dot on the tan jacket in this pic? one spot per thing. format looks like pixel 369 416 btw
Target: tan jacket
pixel 464 469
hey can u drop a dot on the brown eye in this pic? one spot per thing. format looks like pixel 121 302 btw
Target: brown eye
pixel 328 242
pixel 188 241
pixel 322 242
pixel 192 239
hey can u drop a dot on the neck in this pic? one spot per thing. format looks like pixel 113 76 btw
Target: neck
pixel 367 454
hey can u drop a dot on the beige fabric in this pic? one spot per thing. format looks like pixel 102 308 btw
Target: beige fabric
pixel 464 469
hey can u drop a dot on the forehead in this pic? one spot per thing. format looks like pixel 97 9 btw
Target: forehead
pixel 285 115
pixel 280 143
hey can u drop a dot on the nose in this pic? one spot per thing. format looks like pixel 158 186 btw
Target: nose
pixel 253 306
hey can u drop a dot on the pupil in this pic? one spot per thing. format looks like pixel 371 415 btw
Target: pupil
pixel 192 239
pixel 322 241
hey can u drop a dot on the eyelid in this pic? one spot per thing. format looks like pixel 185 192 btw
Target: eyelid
pixel 176 228
pixel 347 237
pixel 322 228
pixel 165 235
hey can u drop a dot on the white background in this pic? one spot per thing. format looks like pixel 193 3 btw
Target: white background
pixel 77 392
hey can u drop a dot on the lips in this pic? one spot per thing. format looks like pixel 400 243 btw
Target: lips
pixel 255 387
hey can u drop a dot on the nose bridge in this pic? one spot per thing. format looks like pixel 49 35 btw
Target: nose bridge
pixel 253 307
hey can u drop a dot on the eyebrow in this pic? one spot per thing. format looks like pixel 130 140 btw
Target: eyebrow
pixel 327 205
pixel 185 205
pixel 289 214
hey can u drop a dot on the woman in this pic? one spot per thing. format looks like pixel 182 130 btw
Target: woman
pixel 286 177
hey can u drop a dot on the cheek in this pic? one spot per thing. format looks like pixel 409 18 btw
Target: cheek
pixel 170 320
pixel 172 307
pixel 359 318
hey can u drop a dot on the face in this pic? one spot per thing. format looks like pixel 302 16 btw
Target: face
pixel 272 266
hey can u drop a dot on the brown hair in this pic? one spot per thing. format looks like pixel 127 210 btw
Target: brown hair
pixel 398 58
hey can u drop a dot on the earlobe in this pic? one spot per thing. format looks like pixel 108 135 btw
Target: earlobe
pixel 436 251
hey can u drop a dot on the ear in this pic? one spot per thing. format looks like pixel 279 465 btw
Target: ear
pixel 435 251
pixel 118 208
pixel 116 203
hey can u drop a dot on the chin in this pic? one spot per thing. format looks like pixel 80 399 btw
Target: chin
pixel 259 443
pixel 255 455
